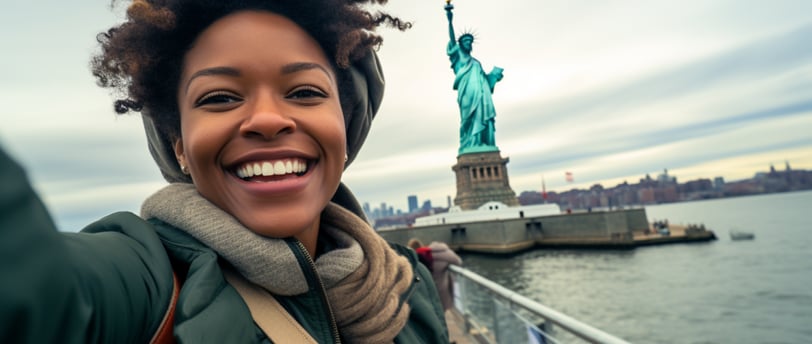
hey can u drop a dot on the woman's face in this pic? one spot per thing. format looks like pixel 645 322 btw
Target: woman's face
pixel 262 131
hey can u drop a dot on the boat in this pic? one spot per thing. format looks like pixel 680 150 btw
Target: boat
pixel 739 235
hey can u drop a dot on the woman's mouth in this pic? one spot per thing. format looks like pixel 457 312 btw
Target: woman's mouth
pixel 270 170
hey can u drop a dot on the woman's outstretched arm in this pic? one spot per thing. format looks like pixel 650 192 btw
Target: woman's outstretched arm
pixel 110 286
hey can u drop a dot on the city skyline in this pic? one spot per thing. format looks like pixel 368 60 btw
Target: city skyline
pixel 664 174
pixel 606 91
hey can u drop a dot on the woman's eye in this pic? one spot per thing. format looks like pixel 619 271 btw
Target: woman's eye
pixel 306 92
pixel 217 98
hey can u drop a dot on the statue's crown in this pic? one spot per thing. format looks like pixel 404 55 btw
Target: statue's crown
pixel 466 35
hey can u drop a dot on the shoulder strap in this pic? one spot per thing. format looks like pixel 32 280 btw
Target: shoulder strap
pixel 271 317
pixel 164 334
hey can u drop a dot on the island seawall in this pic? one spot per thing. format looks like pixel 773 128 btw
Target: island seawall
pixel 617 229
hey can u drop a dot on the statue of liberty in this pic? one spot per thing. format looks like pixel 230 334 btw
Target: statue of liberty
pixel 474 88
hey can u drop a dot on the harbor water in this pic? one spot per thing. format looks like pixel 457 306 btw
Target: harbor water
pixel 723 291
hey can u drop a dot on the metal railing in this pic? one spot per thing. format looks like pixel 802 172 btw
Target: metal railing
pixel 498 315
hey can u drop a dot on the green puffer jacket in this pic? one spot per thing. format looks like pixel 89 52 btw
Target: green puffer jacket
pixel 112 282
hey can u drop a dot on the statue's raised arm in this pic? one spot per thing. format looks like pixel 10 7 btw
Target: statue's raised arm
pixel 450 16
pixel 474 88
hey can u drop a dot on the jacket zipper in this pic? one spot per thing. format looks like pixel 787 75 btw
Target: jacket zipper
pixel 333 325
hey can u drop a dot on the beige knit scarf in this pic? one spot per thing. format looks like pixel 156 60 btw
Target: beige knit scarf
pixel 363 276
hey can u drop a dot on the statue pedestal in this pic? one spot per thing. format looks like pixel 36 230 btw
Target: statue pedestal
pixel 482 177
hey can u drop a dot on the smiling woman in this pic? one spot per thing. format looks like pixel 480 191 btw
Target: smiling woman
pixel 237 113
pixel 253 110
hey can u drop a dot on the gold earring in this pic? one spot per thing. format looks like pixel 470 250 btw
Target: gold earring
pixel 184 169
pixel 346 158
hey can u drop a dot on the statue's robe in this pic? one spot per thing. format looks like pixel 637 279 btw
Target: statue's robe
pixel 474 88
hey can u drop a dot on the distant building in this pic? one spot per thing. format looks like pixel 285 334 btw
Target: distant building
pixel 530 197
pixel 718 183
pixel 426 205
pixel 646 195
pixel 664 178
pixel 488 211
pixel 412 203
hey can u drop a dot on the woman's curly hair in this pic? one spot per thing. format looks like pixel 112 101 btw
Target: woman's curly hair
pixel 142 58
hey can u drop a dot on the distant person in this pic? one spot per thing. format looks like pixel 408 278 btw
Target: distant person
pixel 252 111
pixel 440 257
pixel 423 253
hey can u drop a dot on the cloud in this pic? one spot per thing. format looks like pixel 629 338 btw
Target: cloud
pixel 75 208
pixel 740 68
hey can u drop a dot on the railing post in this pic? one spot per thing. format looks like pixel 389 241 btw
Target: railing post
pixel 495 316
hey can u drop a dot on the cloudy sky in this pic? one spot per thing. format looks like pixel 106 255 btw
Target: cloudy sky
pixel 609 90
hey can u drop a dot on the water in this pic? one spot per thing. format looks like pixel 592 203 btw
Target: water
pixel 723 291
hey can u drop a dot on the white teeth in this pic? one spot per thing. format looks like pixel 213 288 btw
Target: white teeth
pixel 267 169
pixel 271 168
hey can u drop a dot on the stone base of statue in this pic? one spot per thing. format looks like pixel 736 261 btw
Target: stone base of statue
pixel 482 177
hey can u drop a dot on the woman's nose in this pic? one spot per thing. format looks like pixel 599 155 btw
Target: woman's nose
pixel 267 119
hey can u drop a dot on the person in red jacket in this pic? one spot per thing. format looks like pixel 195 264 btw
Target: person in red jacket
pixel 437 256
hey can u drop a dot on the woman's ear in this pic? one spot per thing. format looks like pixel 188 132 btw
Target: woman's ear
pixel 179 154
